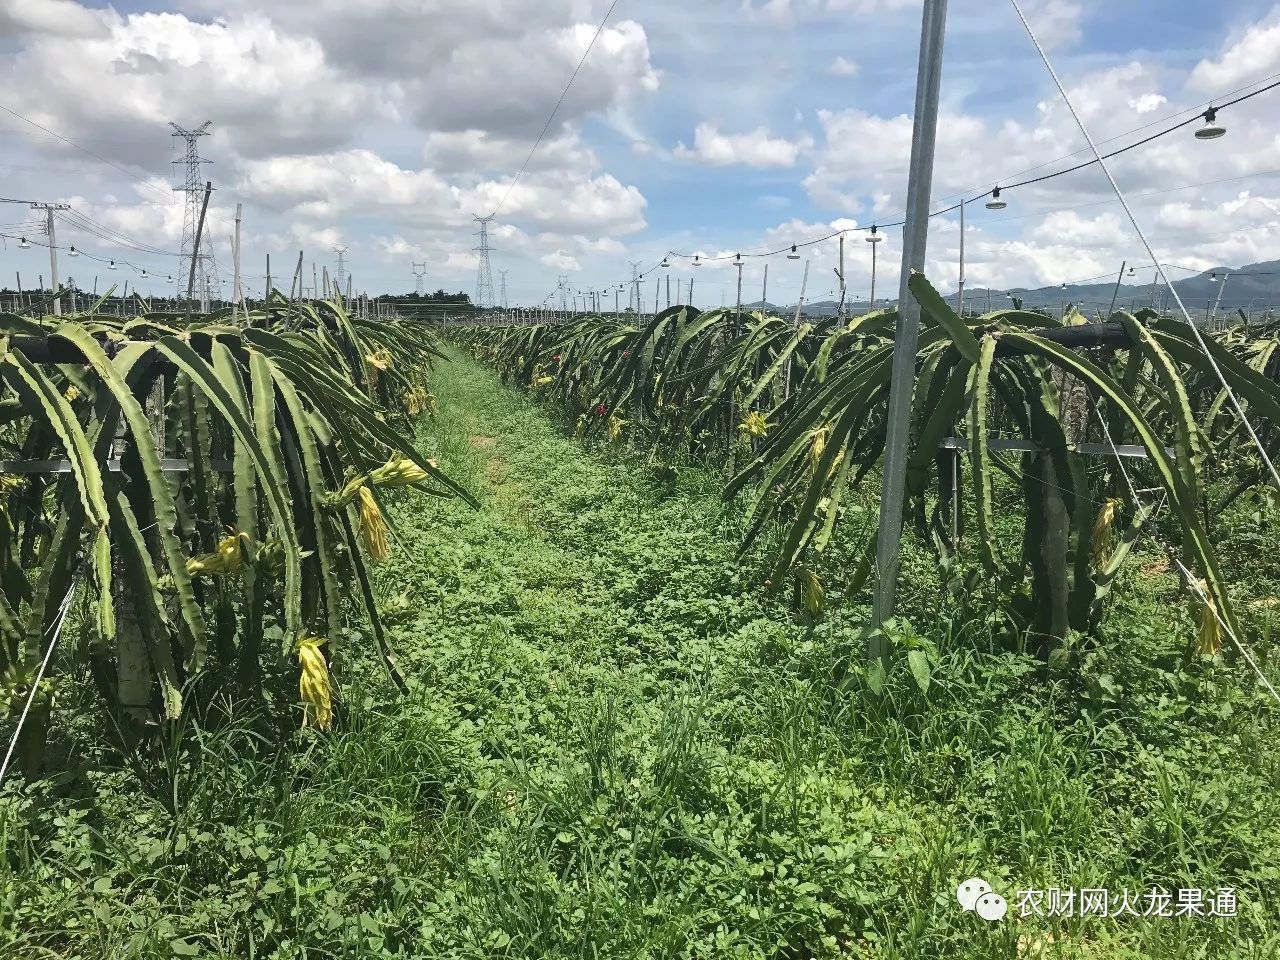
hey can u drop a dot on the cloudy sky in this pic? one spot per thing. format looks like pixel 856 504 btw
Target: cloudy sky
pixel 706 127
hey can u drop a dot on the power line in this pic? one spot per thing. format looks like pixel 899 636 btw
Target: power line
pixel 554 110
pixel 85 150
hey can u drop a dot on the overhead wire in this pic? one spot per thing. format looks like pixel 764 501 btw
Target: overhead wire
pixel 556 109
pixel 1239 644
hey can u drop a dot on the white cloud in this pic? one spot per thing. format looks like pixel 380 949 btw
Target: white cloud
pixel 1147 102
pixel 754 149
pixel 843 67
pixel 59 17
pixel 1254 53
pixel 559 260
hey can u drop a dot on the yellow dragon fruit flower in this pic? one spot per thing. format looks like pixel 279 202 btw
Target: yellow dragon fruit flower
pixel 754 424
pixel 616 426
pixel 812 593
pixel 314 685
pixel 1103 529
pixel 373 527
pixel 1210 628
pixel 227 561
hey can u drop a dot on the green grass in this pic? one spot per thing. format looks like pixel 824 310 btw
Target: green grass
pixel 617 745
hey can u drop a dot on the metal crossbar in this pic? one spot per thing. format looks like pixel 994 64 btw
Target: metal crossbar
pixel 1133 450
pixel 64 466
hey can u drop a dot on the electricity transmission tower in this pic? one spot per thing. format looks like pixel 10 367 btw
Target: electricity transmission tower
pixel 419 271
pixel 484 272
pixel 341 275
pixel 563 279
pixel 206 278
pixel 502 275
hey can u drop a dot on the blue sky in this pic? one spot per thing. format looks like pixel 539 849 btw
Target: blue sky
pixel 706 127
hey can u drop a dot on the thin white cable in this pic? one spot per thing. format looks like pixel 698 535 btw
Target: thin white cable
pixel 1187 574
pixel 1275 475
pixel 57 632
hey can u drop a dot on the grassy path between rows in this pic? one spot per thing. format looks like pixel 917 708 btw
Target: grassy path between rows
pixel 617 746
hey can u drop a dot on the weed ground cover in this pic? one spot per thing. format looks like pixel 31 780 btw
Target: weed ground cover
pixel 617 745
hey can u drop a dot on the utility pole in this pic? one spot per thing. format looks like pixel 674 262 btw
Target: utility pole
pixel 236 293
pixel 48 209
pixel 960 285
pixel 874 239
pixel 840 275
pixel 915 233
pixel 764 293
pixel 561 280
pixel 1116 292
pixel 419 272
pixel 502 277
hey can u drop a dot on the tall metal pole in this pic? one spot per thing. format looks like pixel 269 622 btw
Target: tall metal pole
pixel 668 290
pixel 795 325
pixel 840 274
pixel 1216 302
pixel 874 240
pixel 764 293
pixel 915 234
pixel 49 208
pixel 1116 292
pixel 235 263
pixel 960 288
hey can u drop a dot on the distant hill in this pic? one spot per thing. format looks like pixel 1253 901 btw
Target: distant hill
pixel 1254 287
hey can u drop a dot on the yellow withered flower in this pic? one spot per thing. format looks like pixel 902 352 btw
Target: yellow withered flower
pixel 1210 630
pixel 818 446
pixel 380 359
pixel 373 527
pixel 1103 529
pixel 227 561
pixel 754 424
pixel 72 393
pixel 314 685
pixel 399 472
pixel 542 381
pixel 616 426
pixel 812 593
pixel 420 400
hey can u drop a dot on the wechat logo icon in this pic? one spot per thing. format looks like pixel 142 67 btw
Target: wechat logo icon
pixel 976 894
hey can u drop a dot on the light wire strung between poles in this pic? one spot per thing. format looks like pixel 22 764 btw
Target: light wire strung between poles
pixel 1195 581
pixel 1101 160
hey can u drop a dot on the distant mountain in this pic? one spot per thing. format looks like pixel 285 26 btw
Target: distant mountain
pixel 1254 288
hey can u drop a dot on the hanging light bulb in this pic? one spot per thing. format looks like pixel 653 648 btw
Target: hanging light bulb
pixel 793 255
pixel 1212 129
pixel 169 278
pixel 1213 276
pixel 665 262
pixel 73 252
pixel 144 274
pixel 995 203
pixel 697 261
pixel 1131 271
pixel 875 237
pixel 111 265
pixel 737 259
pixel 23 245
